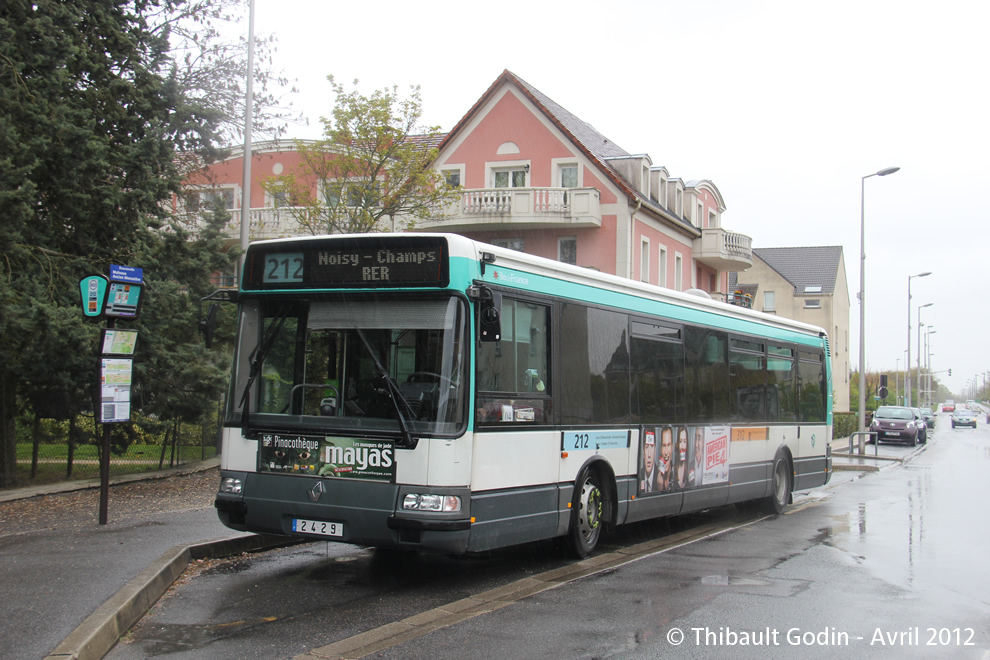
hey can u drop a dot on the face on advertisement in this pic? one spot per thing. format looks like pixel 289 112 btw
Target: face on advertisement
pixel 667 444
pixel 649 452
pixel 699 443
pixel 682 444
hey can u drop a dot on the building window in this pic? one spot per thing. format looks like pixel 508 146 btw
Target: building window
pixel 517 244
pixel 712 219
pixel 452 177
pixel 812 303
pixel 662 267
pixel 567 250
pixel 509 178
pixel 644 260
pixel 568 176
pixel 678 272
pixel 701 215
pixel 769 302
pixel 200 200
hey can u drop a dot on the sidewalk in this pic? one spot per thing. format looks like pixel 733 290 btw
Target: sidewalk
pixel 72 588
pixel 874 457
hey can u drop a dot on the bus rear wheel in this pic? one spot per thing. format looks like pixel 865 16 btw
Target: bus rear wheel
pixel 587 514
pixel 780 494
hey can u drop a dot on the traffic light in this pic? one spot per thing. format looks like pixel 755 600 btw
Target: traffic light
pixel 950 372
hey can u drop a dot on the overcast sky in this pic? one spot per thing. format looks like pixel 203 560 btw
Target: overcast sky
pixel 783 105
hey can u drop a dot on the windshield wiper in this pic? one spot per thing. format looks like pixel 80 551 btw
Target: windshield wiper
pixel 407 441
pixel 257 358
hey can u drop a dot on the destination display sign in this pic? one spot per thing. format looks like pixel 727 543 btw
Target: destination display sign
pixel 348 263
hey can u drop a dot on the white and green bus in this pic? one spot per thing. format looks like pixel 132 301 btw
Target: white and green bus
pixel 427 391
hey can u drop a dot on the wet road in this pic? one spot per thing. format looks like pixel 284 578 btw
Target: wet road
pixel 891 565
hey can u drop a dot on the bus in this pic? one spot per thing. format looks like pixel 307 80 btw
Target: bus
pixel 431 392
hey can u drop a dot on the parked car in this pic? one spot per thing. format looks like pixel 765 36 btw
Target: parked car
pixel 921 425
pixel 963 417
pixel 896 423
pixel 929 417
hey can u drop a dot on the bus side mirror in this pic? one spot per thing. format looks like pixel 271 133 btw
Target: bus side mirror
pixel 490 315
pixel 208 326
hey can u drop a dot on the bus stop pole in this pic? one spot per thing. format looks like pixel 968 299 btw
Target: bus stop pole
pixel 105 462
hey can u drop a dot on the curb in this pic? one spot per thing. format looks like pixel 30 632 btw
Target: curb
pixel 99 633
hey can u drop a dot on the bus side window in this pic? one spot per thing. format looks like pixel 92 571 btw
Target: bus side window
pixel 516 368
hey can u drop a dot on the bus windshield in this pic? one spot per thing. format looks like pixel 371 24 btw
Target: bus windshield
pixel 340 364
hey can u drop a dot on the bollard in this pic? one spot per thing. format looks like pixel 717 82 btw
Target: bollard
pixel 862 441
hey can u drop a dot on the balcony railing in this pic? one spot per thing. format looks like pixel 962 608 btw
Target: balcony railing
pixel 263 223
pixel 521 208
pixel 724 250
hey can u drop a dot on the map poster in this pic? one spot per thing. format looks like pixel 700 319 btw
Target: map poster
pixel 115 390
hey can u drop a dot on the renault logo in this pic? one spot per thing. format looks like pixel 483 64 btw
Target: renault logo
pixel 315 492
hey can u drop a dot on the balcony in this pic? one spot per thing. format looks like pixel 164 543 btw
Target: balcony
pixel 264 223
pixel 520 208
pixel 723 250
pixel 491 208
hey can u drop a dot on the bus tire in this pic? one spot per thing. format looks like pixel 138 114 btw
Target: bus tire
pixel 780 484
pixel 587 513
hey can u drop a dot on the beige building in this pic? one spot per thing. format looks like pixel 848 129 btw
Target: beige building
pixel 805 284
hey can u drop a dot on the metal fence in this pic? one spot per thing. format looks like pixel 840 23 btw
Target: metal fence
pixel 50 450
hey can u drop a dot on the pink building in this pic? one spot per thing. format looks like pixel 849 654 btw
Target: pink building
pixel 538 179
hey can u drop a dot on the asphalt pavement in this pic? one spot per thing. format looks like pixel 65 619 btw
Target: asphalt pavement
pixel 72 591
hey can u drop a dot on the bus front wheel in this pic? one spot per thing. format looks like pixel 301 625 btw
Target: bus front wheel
pixel 587 514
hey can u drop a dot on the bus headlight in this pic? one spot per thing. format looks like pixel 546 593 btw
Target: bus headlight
pixel 429 502
pixel 231 485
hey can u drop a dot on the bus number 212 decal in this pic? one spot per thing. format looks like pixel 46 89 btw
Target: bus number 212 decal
pixel 574 440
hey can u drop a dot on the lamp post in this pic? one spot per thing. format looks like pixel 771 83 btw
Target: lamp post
pixel 246 171
pixel 928 364
pixel 862 293
pixel 908 379
pixel 903 402
pixel 920 325
pixel 897 381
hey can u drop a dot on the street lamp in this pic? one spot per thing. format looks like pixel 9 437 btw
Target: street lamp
pixel 862 293
pixel 911 277
pixel 920 324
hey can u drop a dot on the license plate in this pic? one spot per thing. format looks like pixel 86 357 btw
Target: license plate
pixel 892 434
pixel 319 527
